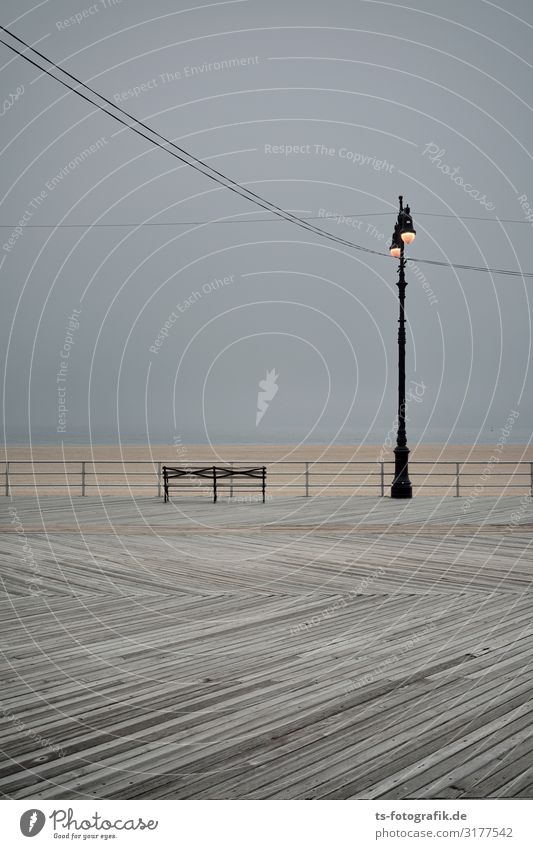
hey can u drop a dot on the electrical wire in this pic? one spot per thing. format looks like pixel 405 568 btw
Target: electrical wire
pixel 183 155
pixel 212 173
pixel 357 215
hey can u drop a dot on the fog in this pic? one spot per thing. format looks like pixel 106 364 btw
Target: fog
pixel 161 325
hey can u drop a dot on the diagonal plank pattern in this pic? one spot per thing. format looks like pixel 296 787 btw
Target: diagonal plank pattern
pixel 306 648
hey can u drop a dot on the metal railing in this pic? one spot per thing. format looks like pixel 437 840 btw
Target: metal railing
pixel 468 478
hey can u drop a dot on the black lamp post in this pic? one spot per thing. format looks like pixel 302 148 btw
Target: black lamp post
pixel 404 234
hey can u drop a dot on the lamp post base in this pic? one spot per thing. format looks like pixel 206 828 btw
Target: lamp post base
pixel 401 485
pixel 401 489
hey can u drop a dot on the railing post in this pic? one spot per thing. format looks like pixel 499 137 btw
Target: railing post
pixel 83 477
pixel 531 471
pixel 231 481
pixel 159 479
pixel 382 464
pixel 307 480
pixel 214 484
pixel 457 480
pixel 7 478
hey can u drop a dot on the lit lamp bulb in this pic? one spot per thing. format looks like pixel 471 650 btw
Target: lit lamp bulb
pixel 396 246
pixel 407 230
pixel 408 237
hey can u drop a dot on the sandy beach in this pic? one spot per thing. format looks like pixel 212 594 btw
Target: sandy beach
pixel 226 453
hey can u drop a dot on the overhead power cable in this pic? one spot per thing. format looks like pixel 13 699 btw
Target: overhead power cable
pixel 470 218
pixel 212 173
pixel 182 154
pixel 357 215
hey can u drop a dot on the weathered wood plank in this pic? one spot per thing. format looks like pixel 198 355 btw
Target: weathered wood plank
pixel 307 648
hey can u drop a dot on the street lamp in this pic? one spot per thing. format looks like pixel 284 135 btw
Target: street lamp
pixel 404 234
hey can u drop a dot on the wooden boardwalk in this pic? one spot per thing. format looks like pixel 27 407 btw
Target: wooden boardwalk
pixel 306 648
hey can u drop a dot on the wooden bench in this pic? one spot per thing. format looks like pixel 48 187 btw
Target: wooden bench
pixel 180 478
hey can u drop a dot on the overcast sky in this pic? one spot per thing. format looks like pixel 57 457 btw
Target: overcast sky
pixel 164 332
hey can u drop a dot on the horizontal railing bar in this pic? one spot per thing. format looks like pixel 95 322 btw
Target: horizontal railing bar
pixel 30 484
pixel 346 483
pixel 377 485
pixel 373 463
pixel 79 462
pixel 278 474
pixel 269 463
pixel 191 485
pixel 258 462
pixel 486 486
pixel 77 474
pixel 477 475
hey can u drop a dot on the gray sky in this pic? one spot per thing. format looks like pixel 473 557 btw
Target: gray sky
pixel 331 109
